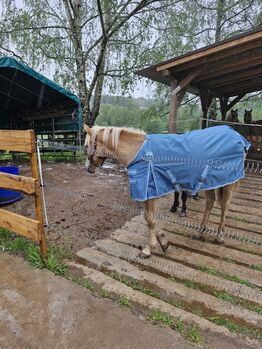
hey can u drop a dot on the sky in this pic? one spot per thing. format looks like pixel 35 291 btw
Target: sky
pixel 141 89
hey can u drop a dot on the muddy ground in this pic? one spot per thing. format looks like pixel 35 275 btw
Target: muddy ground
pixel 81 207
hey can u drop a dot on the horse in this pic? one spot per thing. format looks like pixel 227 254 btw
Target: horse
pixel 184 196
pixel 248 117
pixel 124 145
pixel 232 116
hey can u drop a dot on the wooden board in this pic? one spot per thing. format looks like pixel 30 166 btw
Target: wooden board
pixel 19 141
pixel 25 184
pixel 21 225
pixel 230 45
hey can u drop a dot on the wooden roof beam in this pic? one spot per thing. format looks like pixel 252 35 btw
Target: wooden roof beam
pixel 231 79
pixel 241 89
pixel 186 81
pixel 216 57
pixel 220 48
pixel 231 67
pixel 235 100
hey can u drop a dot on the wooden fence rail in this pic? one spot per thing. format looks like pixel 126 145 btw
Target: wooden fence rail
pixel 23 141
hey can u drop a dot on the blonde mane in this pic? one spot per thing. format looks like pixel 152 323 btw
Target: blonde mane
pixel 108 131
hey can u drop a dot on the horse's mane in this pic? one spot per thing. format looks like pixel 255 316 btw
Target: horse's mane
pixel 114 132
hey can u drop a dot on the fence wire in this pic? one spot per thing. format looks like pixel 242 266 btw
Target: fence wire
pixel 251 166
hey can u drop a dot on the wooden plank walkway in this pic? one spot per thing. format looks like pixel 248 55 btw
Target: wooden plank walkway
pixel 216 284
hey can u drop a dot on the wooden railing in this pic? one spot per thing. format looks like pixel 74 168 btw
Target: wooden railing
pixel 23 141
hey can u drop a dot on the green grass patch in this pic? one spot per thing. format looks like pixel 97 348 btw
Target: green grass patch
pixel 220 294
pixel 31 252
pixel 124 301
pixel 104 293
pixel 189 332
pixel 86 283
pixel 135 285
pixel 234 327
pixel 256 267
pixel 226 276
pixel 158 316
pixel 238 301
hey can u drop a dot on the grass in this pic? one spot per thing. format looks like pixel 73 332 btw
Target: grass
pixel 238 301
pixel 256 267
pixel 31 252
pixel 220 294
pixel 189 332
pixel 104 293
pixel 226 276
pixel 55 263
pixel 134 284
pixel 236 328
pixel 124 301
pixel 158 316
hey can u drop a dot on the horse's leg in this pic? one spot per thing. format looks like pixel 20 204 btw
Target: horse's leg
pixel 184 199
pixel 154 235
pixel 225 201
pixel 150 217
pixel 210 199
pixel 176 202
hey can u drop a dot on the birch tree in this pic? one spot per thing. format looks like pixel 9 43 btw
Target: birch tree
pixel 87 44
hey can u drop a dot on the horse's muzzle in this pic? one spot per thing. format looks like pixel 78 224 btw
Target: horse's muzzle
pixel 91 168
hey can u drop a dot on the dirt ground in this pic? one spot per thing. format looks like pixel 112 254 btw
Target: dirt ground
pixel 81 207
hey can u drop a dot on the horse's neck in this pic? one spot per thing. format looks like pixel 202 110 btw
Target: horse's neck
pixel 128 146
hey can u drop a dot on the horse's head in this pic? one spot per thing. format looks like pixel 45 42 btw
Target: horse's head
pixel 234 115
pixel 248 116
pixel 95 149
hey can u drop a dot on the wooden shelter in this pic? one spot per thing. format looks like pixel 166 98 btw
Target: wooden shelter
pixel 230 68
pixel 29 100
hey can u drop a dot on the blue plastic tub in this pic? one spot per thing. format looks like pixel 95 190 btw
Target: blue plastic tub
pixel 9 196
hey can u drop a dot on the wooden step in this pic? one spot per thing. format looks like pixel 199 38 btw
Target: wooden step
pixel 170 268
pixel 193 259
pixel 169 290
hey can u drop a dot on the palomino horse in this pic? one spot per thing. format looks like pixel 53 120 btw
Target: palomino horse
pixel 122 144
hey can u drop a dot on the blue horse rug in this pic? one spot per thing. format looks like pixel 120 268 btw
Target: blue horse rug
pixel 194 161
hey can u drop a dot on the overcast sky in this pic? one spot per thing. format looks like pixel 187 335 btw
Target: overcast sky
pixel 141 89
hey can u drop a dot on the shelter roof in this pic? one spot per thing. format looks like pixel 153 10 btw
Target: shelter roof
pixel 228 68
pixel 21 87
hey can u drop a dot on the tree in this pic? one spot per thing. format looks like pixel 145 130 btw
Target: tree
pixel 86 43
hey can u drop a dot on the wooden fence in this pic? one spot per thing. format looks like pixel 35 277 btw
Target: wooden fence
pixel 23 141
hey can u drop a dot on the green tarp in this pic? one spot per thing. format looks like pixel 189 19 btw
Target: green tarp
pixel 31 82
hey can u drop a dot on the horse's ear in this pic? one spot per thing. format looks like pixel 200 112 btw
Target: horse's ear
pixel 245 111
pixel 86 128
pixel 251 110
pixel 236 110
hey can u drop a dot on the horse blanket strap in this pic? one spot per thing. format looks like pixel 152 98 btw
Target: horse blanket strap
pixel 197 160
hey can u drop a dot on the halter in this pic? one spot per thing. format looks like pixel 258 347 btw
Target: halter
pixel 91 155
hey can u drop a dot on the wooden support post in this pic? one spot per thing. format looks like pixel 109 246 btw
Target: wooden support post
pixel 174 100
pixel 38 201
pixel 206 99
pixel 223 106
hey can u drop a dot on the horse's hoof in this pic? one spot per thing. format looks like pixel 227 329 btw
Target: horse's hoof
pixel 173 209
pixel 143 255
pixel 199 236
pixel 182 214
pixel 220 241
pixel 165 246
